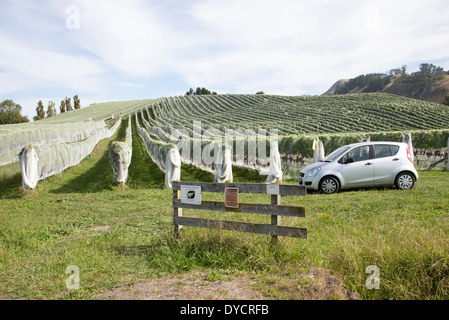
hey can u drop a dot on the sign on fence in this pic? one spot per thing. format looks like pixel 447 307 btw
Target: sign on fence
pixel 190 198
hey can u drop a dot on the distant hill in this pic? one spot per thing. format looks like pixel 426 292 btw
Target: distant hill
pixel 430 88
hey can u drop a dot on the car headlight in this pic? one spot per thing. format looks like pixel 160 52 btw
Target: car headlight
pixel 313 173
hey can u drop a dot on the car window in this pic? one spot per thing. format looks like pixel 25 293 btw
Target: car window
pixel 394 150
pixel 357 154
pixel 385 150
pixel 382 150
pixel 336 154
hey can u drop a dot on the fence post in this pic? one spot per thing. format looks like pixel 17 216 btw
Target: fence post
pixel 275 219
pixel 177 212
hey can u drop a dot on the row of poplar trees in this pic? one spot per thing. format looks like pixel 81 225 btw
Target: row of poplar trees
pixel 66 105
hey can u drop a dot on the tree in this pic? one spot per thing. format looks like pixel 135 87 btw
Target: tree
pixel 68 104
pixel 40 112
pixel 403 70
pixel 395 72
pixel 438 71
pixel 51 109
pixel 10 112
pixel 62 107
pixel 76 102
pixel 260 92
pixel 426 68
pixel 199 91
pixel 446 100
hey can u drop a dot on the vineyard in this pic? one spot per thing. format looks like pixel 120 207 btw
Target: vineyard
pixel 308 115
pixel 299 120
pixel 104 201
pixel 201 125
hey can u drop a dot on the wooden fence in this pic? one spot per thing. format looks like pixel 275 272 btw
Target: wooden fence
pixel 231 204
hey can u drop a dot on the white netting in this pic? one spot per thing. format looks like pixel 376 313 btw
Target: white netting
pixel 408 140
pixel 120 154
pixel 274 171
pixel 156 131
pixel 172 167
pixel 318 150
pixel 14 138
pixel 223 169
pixel 56 157
pixel 156 149
pixel 28 160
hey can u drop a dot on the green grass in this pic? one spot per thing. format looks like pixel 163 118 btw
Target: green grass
pixel 404 233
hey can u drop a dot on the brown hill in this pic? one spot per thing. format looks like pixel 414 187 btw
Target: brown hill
pixel 432 89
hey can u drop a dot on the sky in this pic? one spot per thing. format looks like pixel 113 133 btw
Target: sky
pixel 109 50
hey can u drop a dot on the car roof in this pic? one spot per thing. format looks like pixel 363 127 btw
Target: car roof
pixel 358 144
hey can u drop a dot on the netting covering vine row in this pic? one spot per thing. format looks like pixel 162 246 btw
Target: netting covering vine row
pixel 39 161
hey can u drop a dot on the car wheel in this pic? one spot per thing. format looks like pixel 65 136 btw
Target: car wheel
pixel 329 185
pixel 405 181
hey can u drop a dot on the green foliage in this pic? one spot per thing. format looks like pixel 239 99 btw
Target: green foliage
pixel 10 113
pixel 68 104
pixel 199 91
pixel 446 100
pixel 62 108
pixel 429 139
pixel 426 68
pixel 40 112
pixel 51 109
pixel 373 82
pixel 76 102
pixel 402 71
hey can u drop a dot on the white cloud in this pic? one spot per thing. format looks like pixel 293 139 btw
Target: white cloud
pixel 24 66
pixel 285 46
pixel 289 45
pixel 127 35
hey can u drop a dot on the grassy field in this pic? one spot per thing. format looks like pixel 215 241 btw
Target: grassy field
pixel 118 236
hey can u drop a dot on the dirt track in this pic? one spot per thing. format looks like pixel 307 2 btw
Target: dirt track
pixel 315 285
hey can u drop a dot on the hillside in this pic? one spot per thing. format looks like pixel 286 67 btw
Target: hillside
pixel 335 119
pixel 431 89
pixel 300 115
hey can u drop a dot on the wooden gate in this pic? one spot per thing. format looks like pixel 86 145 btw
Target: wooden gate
pixel 187 195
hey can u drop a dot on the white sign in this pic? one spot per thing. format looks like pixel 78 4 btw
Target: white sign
pixel 273 189
pixel 191 194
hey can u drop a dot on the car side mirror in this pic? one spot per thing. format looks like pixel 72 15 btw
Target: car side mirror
pixel 349 160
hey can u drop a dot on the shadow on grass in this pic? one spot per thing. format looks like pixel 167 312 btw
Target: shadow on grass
pixel 99 177
pixel 211 249
pixel 11 187
pixel 143 172
pixel 95 179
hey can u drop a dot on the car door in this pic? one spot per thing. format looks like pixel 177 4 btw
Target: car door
pixel 386 163
pixel 357 167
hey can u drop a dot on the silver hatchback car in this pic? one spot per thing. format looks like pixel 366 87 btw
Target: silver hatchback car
pixel 364 164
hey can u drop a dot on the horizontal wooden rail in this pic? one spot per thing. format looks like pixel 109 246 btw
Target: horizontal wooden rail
pixel 245 208
pixel 284 189
pixel 272 230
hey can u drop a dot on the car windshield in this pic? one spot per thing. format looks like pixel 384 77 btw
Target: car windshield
pixel 336 154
